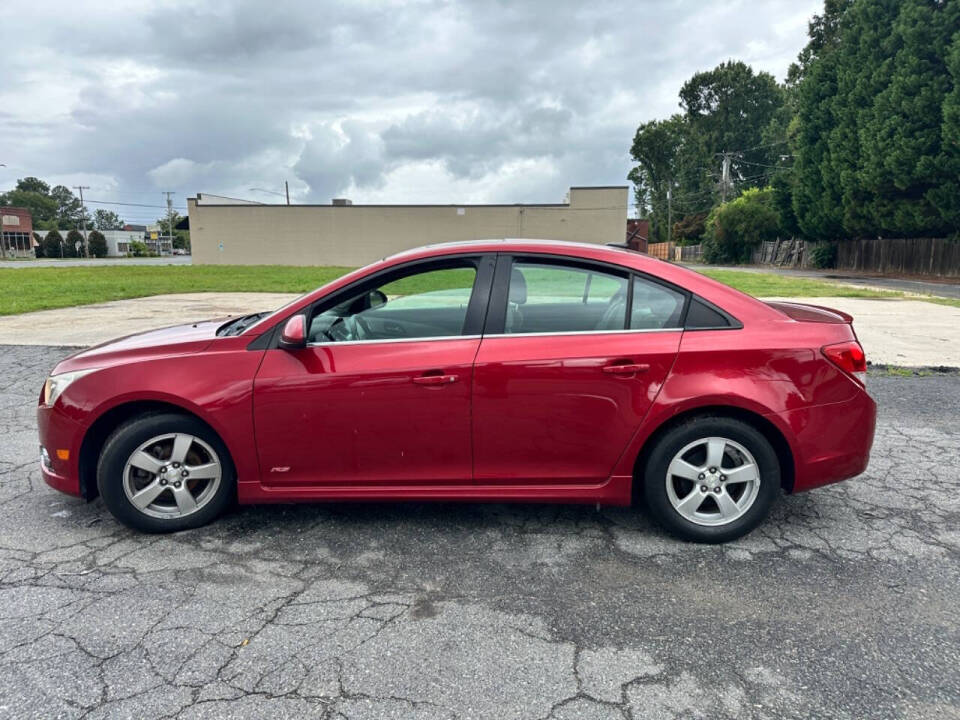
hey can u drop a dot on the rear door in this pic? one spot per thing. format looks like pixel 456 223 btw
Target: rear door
pixel 573 355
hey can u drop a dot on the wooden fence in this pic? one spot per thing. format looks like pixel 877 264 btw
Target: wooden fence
pixel 908 256
pixel 663 250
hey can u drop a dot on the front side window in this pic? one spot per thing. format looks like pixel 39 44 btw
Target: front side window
pixel 425 304
pixel 561 298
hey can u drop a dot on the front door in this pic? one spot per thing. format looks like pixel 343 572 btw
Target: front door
pixel 381 395
pixel 566 374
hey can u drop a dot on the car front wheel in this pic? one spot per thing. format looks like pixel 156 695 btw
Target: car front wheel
pixel 165 472
pixel 712 479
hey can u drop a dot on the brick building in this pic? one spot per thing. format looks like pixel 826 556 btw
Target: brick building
pixel 638 232
pixel 16 238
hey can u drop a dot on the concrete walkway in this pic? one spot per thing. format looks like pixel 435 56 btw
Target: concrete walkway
pixel 894 332
pixel 93 324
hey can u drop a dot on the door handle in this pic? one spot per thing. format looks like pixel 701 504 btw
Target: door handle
pixel 435 379
pixel 625 368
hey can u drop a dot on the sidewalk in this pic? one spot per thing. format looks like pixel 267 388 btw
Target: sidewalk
pixel 893 332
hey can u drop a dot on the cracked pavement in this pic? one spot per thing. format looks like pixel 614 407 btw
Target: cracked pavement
pixel 844 605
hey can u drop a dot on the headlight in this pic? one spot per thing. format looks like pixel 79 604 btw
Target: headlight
pixel 56 384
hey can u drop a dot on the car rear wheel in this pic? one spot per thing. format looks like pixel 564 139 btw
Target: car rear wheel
pixel 712 479
pixel 165 472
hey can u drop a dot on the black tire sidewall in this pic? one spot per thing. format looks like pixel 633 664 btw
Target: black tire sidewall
pixel 654 479
pixel 126 439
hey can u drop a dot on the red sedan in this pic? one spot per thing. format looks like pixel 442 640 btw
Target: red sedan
pixel 481 371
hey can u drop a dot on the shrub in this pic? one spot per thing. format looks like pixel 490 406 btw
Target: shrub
pixel 138 249
pixel 734 229
pixel 97 244
pixel 52 244
pixel 38 250
pixel 73 245
pixel 824 255
pixel 689 230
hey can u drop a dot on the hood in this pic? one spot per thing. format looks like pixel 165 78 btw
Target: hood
pixel 175 340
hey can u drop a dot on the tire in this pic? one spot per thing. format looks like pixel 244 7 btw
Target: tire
pixel 683 463
pixel 152 467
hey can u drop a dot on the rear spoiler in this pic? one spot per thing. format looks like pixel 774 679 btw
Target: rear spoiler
pixel 804 312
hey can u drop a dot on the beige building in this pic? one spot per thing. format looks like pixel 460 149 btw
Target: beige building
pixel 236 232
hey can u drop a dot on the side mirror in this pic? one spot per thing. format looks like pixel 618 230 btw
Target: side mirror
pixel 375 299
pixel 294 334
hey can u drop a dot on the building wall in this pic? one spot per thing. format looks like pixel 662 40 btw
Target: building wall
pixel 230 233
pixel 118 241
pixel 16 231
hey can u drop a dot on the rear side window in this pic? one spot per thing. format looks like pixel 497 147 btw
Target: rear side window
pixel 702 316
pixel 655 306
pixel 556 298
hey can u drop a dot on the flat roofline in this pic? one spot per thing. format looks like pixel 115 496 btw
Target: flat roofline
pixel 246 203
pixel 599 187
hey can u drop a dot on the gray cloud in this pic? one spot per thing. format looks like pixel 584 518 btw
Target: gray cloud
pixel 420 101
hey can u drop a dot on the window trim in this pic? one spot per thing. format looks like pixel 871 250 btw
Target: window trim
pixel 497 310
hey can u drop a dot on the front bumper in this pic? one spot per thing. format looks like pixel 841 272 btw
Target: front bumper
pixel 59 433
pixel 831 442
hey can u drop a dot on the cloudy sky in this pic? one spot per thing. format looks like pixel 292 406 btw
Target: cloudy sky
pixel 413 101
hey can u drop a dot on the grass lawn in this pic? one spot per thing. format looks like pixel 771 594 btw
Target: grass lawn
pixel 26 289
pixel 773 285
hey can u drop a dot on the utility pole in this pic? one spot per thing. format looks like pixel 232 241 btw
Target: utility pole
pixel 286 188
pixel 725 181
pixel 168 193
pixel 83 218
pixel 669 214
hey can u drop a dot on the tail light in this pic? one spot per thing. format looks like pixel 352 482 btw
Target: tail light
pixel 849 357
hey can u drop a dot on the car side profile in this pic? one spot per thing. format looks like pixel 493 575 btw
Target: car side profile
pixel 502 370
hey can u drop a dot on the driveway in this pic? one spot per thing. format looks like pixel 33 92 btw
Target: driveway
pixel 843 606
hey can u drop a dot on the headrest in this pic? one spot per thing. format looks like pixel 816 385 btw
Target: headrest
pixel 518 287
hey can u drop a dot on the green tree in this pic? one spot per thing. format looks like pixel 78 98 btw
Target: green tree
pixel 97 244
pixel 946 198
pixel 107 220
pixel 42 208
pixel 73 244
pixel 53 245
pixel 735 229
pixel 727 110
pixel 69 210
pixel 657 147
pixel 32 184
pixel 873 148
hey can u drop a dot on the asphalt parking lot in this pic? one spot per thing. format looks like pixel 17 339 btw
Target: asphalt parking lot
pixel 845 605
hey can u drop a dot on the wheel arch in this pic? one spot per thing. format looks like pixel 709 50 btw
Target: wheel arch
pixel 767 428
pixel 96 436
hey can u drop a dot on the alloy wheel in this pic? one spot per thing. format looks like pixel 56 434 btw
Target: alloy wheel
pixel 172 475
pixel 713 481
